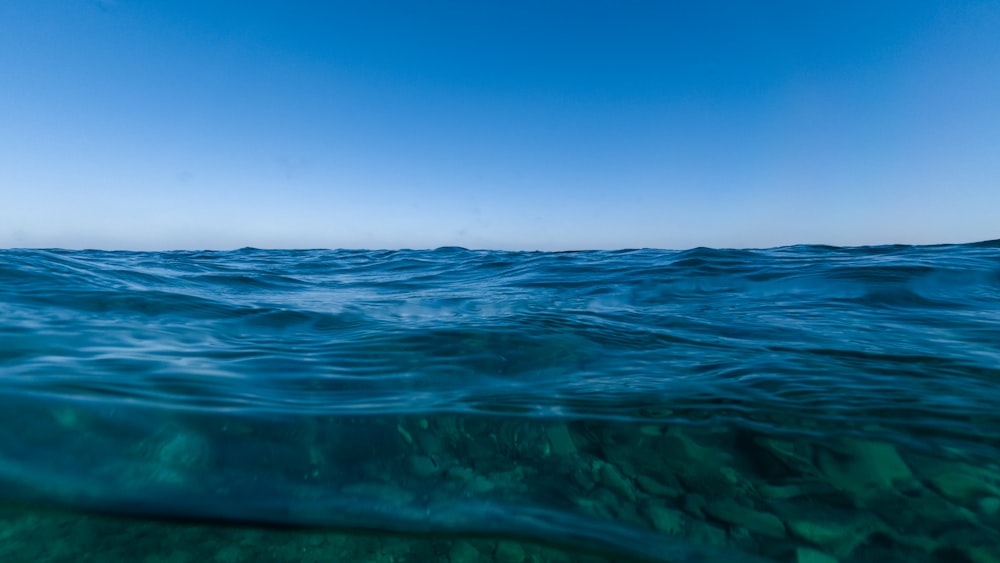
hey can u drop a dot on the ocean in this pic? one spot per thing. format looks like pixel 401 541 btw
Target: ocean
pixel 805 404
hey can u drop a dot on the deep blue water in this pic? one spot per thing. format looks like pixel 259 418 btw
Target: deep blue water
pixel 515 394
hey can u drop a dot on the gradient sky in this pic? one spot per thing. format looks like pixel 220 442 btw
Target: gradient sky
pixel 142 124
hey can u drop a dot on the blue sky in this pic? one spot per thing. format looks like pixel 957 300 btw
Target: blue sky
pixel 548 125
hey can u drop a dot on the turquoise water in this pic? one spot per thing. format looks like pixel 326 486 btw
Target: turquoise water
pixel 806 404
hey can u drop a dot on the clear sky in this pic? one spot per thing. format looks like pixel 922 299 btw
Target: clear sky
pixel 144 124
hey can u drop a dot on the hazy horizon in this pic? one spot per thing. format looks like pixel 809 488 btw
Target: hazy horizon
pixel 480 249
pixel 513 126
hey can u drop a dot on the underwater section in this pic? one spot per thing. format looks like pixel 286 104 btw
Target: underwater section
pixel 656 491
pixel 59 536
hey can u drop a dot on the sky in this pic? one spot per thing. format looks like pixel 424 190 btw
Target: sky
pixel 541 125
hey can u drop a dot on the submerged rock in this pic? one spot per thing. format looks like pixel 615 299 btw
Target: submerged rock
pixel 706 534
pixel 863 467
pixel 173 456
pixel 560 440
pixel 701 469
pixel 989 506
pixel 836 531
pixel 613 479
pixel 808 555
pixel 666 520
pixel 177 448
pixel 962 483
pixel 509 552
pixel 983 553
pixel 731 512
pixel 463 552
pixel 652 487
pixel 424 466
pixel 796 457
pixel 787 491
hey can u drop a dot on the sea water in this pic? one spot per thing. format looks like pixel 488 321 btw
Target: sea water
pixel 807 404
